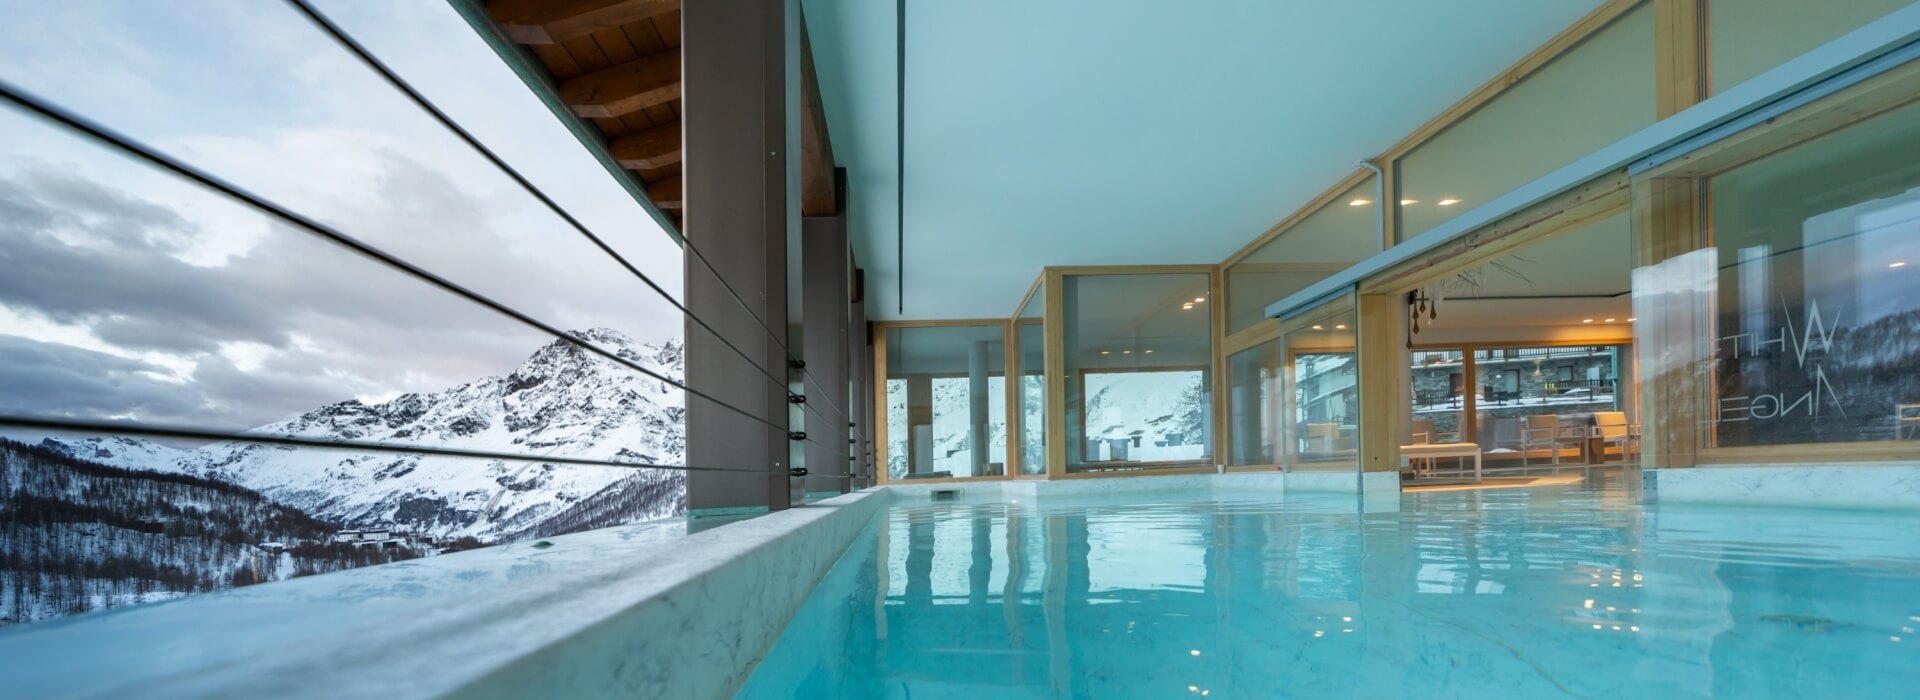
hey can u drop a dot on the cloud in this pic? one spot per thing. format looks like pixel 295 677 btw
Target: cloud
pixel 120 262
pixel 54 380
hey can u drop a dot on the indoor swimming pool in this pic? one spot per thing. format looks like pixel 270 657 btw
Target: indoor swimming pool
pixel 1559 591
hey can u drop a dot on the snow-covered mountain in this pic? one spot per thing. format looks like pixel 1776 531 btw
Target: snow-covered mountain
pixel 563 401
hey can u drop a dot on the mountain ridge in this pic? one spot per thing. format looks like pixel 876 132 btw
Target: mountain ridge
pixel 563 400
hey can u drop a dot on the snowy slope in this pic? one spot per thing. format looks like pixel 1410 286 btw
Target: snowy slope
pixel 563 401
pixel 122 452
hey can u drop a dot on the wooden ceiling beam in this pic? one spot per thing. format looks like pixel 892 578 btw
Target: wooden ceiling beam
pixel 666 193
pixel 625 88
pixel 817 195
pixel 554 21
pixel 648 149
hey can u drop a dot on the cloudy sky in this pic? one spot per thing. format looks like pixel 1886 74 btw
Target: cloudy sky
pixel 125 293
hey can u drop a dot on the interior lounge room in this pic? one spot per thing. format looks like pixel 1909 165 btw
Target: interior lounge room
pixel 1527 356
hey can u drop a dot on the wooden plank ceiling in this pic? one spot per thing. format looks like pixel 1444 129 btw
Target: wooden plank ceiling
pixel 616 64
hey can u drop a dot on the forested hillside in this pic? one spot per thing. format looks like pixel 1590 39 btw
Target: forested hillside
pixel 77 535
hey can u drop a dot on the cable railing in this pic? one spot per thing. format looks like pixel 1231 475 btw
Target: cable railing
pixel 360 446
pixel 393 79
pixel 48 111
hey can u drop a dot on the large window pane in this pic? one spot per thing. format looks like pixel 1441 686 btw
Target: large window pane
pixel 1439 396
pixel 1541 404
pixel 1748 37
pixel 1322 427
pixel 1139 365
pixel 1818 298
pixel 1591 96
pixel 1341 233
pixel 946 401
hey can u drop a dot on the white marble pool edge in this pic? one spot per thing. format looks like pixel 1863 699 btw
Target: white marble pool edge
pixel 1872 485
pixel 693 621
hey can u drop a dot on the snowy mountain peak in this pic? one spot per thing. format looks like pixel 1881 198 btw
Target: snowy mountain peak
pixel 563 401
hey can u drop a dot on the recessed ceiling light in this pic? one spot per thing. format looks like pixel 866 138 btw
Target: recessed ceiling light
pixel 1198 300
pixel 1898 264
pixel 1106 352
pixel 1631 319
pixel 1149 352
pixel 1586 320
pixel 1359 202
pixel 1126 352
pixel 1610 320
pixel 1340 327
pixel 1405 202
pixel 1318 327
pixel 1187 305
pixel 1450 201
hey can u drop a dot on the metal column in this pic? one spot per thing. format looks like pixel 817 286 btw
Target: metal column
pixel 826 288
pixel 741 111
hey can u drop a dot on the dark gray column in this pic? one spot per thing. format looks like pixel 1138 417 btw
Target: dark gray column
pixel 824 294
pixel 860 369
pixel 741 110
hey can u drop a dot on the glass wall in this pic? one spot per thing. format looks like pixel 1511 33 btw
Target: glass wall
pixel 1031 339
pixel 1597 93
pixel 946 401
pixel 1817 307
pixel 1256 381
pixel 1343 232
pixel 1320 422
pixel 1138 358
pixel 1747 37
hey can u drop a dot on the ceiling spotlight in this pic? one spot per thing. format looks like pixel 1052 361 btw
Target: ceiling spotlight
pixel 1126 352
pixel 1106 352
pixel 1359 202
pixel 1340 327
pixel 1405 202
pixel 1587 320
pixel 1187 305
pixel 1898 264
pixel 1631 319
pixel 1149 352
pixel 1450 201
pixel 1198 300
pixel 1610 320
pixel 1319 327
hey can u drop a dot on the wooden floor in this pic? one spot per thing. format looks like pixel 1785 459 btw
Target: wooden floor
pixel 1511 482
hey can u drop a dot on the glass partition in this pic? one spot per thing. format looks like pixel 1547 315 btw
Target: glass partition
pixel 1747 37
pixel 946 401
pixel 1341 233
pixel 1597 93
pixel 1030 338
pixel 1255 383
pixel 1320 425
pixel 1138 358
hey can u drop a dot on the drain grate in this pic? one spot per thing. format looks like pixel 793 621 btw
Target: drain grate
pixel 946 494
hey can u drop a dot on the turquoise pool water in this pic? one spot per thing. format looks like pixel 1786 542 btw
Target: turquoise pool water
pixel 1566 591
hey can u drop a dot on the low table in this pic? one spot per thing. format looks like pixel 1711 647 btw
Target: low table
pixel 1430 451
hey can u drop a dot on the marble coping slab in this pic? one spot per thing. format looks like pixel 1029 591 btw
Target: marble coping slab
pixel 1888 486
pixel 662 609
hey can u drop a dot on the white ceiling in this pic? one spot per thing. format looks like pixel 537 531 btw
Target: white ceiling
pixel 1126 132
